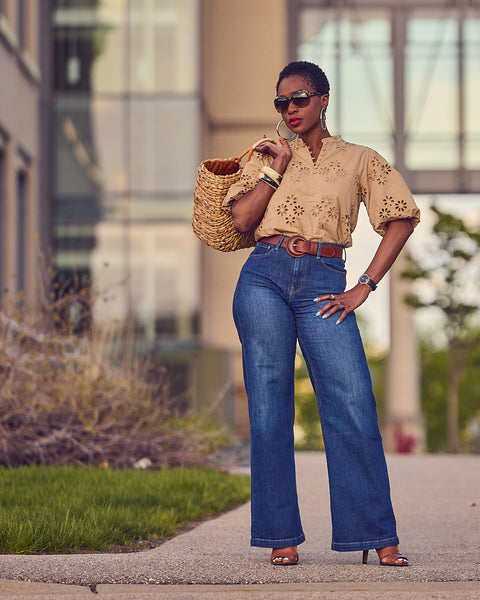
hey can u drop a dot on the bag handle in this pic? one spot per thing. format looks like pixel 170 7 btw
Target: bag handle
pixel 249 151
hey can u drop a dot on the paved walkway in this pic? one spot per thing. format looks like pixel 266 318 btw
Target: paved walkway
pixel 437 504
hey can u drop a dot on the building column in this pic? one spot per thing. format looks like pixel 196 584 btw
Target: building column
pixel 238 86
pixel 403 427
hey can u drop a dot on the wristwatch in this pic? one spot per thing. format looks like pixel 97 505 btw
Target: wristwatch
pixel 366 280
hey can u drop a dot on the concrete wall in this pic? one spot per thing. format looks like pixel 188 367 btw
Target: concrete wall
pixel 20 146
pixel 244 47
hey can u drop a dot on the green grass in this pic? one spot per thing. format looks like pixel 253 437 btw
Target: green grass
pixel 65 509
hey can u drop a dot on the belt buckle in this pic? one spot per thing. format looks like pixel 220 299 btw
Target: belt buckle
pixel 291 246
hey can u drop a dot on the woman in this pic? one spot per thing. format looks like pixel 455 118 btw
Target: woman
pixel 302 200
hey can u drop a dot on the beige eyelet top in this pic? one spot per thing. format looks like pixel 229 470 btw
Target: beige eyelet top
pixel 320 200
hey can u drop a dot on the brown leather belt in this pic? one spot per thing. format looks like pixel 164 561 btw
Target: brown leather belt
pixel 298 246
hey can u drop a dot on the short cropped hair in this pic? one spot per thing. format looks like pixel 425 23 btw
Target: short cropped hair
pixel 310 72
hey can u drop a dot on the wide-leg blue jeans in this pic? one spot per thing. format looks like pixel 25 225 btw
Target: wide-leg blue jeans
pixel 273 309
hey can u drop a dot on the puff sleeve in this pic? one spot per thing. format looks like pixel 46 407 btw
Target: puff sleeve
pixel 248 180
pixel 385 193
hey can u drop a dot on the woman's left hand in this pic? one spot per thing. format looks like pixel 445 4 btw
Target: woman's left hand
pixel 392 242
pixel 342 304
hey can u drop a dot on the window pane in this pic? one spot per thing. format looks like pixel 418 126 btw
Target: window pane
pixel 127 137
pixel 164 46
pixel 163 145
pixel 472 92
pixel 354 50
pixel 158 279
pixel 21 217
pixel 432 92
pixel 89 48
pixel 21 24
pixel 90 142
pixel 151 208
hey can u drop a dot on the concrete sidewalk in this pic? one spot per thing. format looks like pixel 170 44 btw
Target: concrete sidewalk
pixel 437 504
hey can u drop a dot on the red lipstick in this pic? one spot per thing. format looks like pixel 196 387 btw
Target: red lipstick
pixel 295 121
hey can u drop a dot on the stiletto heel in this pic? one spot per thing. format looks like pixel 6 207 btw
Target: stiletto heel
pixel 388 557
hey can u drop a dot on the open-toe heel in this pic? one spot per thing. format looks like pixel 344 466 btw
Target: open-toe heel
pixel 284 556
pixel 391 558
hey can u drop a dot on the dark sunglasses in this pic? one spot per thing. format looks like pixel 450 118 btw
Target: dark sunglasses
pixel 300 99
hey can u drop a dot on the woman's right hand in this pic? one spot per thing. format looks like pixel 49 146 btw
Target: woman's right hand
pixel 281 154
pixel 249 209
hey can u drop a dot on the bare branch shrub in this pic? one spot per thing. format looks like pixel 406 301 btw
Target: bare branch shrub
pixel 87 400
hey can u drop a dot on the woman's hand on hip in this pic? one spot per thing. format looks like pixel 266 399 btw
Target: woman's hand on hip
pixel 342 304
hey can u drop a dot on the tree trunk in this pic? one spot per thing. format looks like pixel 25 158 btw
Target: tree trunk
pixel 453 441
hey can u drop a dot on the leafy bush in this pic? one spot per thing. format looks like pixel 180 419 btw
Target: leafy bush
pixel 434 368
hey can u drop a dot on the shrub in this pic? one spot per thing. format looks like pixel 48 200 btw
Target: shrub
pixel 67 399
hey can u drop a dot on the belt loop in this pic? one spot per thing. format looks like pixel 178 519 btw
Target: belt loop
pixel 279 243
pixel 319 250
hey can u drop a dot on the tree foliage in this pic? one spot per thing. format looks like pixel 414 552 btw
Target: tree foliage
pixel 446 278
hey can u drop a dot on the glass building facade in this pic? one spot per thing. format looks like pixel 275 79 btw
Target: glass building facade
pixel 405 76
pixel 126 139
pixel 141 86
pixel 128 125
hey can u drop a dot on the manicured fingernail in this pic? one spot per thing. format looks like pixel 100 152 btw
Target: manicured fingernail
pixel 338 322
pixel 318 314
pixel 315 299
pixel 324 316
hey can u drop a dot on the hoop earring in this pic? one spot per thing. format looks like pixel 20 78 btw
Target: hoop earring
pixel 323 119
pixel 291 137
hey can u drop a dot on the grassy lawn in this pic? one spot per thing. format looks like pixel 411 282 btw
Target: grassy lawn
pixel 65 509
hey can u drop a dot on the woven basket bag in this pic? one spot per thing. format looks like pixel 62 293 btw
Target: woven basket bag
pixel 211 223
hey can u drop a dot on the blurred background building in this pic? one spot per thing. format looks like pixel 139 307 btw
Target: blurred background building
pixel 108 106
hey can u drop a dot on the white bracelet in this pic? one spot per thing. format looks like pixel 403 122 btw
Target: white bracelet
pixel 272 174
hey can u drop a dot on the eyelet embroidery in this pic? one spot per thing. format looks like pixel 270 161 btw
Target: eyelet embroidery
pixel 298 210
pixel 385 214
pixel 333 212
pixel 347 174
pixel 297 171
pixel 332 172
pixel 345 220
pixel 361 190
pixel 290 210
pixel 379 171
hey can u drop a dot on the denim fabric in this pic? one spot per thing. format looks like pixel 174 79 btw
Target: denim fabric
pixel 273 308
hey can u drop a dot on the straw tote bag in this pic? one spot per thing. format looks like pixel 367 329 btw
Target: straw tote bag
pixel 211 223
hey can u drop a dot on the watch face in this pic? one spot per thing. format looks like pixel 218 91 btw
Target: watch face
pixel 365 280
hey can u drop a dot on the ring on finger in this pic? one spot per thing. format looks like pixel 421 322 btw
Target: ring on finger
pixel 341 305
pixel 332 297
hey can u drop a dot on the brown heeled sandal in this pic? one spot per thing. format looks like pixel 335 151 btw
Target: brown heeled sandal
pixel 384 559
pixel 284 556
